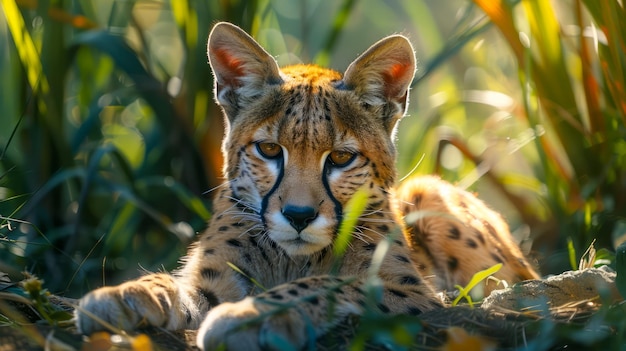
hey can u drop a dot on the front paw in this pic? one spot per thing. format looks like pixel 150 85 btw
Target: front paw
pixel 252 324
pixel 128 306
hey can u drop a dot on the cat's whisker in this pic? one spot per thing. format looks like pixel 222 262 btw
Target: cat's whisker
pixel 223 184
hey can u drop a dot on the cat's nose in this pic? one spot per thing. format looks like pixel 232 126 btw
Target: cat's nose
pixel 299 216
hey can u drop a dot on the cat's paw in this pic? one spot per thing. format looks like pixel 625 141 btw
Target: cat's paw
pixel 251 324
pixel 132 305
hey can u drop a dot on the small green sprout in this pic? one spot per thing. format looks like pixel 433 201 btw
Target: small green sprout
pixel 477 278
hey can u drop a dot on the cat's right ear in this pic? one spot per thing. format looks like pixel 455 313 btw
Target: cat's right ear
pixel 241 67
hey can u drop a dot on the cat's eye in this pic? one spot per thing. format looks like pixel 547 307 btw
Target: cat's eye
pixel 269 150
pixel 341 158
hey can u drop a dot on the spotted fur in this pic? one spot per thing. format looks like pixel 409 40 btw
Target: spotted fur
pixel 300 142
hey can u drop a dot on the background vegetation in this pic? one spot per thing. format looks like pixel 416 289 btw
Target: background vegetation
pixel 109 138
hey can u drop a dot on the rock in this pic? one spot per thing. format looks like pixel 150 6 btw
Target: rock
pixel 568 287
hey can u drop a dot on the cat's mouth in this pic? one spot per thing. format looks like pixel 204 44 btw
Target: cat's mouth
pixel 296 244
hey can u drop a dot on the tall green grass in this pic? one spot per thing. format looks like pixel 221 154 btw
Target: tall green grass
pixel 570 59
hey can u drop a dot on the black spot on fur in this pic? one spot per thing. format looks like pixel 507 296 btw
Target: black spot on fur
pixel 273 244
pixel 293 292
pixel 416 199
pixel 413 311
pixel 383 308
pixel 454 233
pixel 163 300
pixel 253 241
pixel 210 297
pixel 471 243
pixel 247 257
pixel 453 263
pixel 490 229
pixel 260 249
pixel 417 291
pixel 233 242
pixel 497 258
pixel 369 246
pixel 314 300
pixel 402 258
pixel 303 285
pixel 383 228
pixel 409 280
pixel 210 273
pixel 222 228
pixel 276 296
pixel 480 237
pixel 375 205
pixel 187 315
pixel 209 252
pixel 398 293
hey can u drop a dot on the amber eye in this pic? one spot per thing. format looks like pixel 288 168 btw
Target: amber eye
pixel 269 150
pixel 340 158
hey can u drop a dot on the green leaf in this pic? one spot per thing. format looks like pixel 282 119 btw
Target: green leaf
pixel 352 212
pixel 252 280
pixel 571 251
pixel 476 278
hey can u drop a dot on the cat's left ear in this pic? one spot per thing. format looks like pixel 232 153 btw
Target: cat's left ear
pixel 384 72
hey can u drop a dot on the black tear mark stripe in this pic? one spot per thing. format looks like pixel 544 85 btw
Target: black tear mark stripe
pixel 279 179
pixel 336 203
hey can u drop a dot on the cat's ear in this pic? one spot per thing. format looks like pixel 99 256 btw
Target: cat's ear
pixel 384 72
pixel 240 65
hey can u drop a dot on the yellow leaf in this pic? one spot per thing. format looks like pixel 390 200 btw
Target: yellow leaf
pixel 461 340
pixel 142 343
pixel 501 14
pixel 26 49
pixel 98 341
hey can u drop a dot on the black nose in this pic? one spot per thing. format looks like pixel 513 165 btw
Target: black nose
pixel 299 217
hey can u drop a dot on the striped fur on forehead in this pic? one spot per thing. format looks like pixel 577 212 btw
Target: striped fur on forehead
pixel 309 116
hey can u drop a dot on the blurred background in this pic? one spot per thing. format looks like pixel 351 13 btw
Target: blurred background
pixel 109 136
